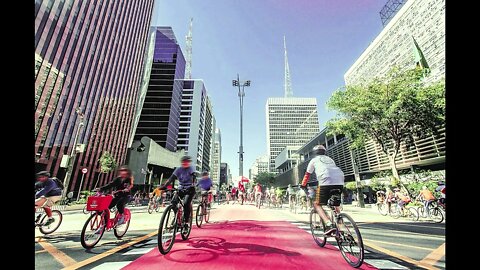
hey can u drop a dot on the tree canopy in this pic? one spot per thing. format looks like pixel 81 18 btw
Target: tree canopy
pixel 265 178
pixel 107 162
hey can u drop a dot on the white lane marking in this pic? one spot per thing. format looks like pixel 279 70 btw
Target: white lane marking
pixel 111 265
pixel 137 251
pixel 385 264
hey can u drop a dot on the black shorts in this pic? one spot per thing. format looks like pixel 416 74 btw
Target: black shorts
pixel 323 193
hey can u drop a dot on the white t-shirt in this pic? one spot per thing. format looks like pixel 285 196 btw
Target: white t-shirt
pixel 327 172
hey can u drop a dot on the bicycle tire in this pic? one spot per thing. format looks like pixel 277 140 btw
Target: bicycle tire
pixel 87 223
pixel 359 241
pixel 436 212
pixel 118 233
pixel 169 212
pixel 413 214
pixel 318 237
pixel 55 214
pixel 186 234
pixel 199 216
pixel 382 209
pixel 395 211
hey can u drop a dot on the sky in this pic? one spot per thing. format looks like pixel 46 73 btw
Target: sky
pixel 324 38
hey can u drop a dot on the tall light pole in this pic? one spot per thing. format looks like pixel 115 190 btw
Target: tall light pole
pixel 73 154
pixel 241 93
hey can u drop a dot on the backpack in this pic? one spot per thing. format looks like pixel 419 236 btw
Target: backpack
pixel 59 183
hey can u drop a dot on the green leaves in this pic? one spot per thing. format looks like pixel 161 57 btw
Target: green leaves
pixel 265 178
pixel 390 110
pixel 107 162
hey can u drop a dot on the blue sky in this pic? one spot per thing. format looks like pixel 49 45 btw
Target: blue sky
pixel 324 38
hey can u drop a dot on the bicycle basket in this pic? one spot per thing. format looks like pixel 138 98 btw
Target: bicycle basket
pixel 334 201
pixel 98 203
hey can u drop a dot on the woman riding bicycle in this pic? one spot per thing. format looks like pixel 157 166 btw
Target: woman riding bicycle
pixel 186 178
pixel 121 185
pixel 205 184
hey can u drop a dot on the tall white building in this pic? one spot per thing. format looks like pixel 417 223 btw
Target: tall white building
pixel 216 157
pixel 416 30
pixel 415 35
pixel 196 124
pixel 290 122
pixel 259 165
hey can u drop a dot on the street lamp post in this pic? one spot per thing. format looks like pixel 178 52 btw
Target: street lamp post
pixel 73 154
pixel 241 93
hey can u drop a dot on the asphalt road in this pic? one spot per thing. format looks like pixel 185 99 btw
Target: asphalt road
pixel 241 236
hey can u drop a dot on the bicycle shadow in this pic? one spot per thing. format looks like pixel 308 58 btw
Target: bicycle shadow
pixel 210 248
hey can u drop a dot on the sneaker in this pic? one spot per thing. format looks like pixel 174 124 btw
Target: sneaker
pixel 49 221
pixel 121 220
pixel 329 230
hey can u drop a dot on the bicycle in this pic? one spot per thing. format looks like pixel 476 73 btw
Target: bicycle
pixel 100 220
pixel 408 211
pixel 172 220
pixel 350 246
pixel 153 205
pixel 292 204
pixel 42 218
pixel 203 211
pixel 434 212
pixel 258 202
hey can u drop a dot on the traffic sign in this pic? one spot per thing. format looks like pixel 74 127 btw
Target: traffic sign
pixel 84 170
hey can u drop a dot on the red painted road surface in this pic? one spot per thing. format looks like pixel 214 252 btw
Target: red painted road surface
pixel 253 243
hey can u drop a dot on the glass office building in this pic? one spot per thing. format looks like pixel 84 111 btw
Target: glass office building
pixel 160 115
pixel 88 58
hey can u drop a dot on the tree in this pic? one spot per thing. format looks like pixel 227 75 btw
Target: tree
pixel 107 164
pixel 351 186
pixel 391 110
pixel 265 178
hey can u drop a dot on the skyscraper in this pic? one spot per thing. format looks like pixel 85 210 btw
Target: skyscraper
pixel 216 156
pixel 88 63
pixel 290 121
pixel 160 115
pixel 195 134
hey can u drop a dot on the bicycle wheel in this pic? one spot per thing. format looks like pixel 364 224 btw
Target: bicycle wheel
pixel 150 208
pixel 206 216
pixel 395 211
pixel 421 211
pixel 382 209
pixel 93 230
pixel 349 240
pixel 185 231
pixel 436 215
pixel 57 215
pixel 317 227
pixel 167 230
pixel 413 214
pixel 199 216
pixel 120 230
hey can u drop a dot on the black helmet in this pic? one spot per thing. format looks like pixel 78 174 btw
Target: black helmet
pixel 319 149
pixel 205 173
pixel 186 158
pixel 43 173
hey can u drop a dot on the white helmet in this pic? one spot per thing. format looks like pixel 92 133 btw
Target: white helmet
pixel 319 149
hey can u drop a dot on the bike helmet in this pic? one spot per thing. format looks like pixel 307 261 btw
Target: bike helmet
pixel 186 158
pixel 319 149
pixel 43 173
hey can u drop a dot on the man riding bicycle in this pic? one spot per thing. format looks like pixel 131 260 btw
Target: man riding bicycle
pixel 205 184
pixel 329 177
pixel 49 193
pixel 157 195
pixel 121 186
pixel 291 194
pixel 186 190
pixel 258 191
pixel 427 196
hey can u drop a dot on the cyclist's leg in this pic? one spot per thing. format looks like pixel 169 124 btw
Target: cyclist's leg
pixel 320 200
pixel 121 204
pixel 187 201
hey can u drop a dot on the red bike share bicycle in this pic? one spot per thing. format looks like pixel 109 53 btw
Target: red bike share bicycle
pixel 100 220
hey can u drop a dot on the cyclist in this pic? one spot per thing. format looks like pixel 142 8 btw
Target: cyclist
pixel 241 192
pixel 442 190
pixel 402 198
pixel 427 197
pixel 290 193
pixel 301 198
pixel 329 177
pixel 234 194
pixel 205 184
pixel 186 190
pixel 48 194
pixel 157 195
pixel 122 185
pixel 258 191
pixel 278 195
